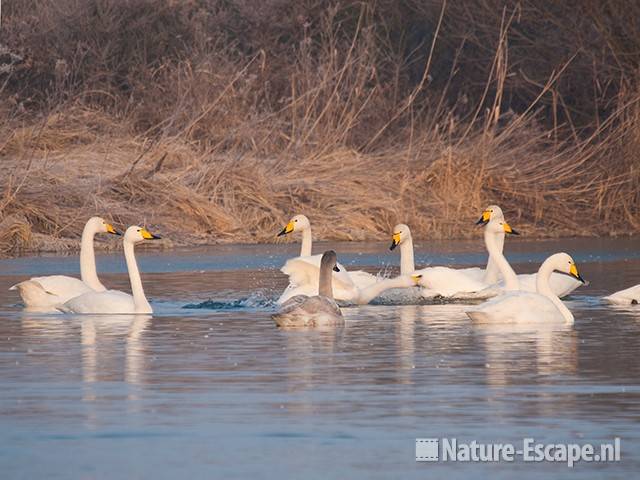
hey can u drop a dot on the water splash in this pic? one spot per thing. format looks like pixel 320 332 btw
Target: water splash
pixel 256 301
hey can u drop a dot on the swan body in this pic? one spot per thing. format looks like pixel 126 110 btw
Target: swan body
pixel 629 296
pixel 316 310
pixel 53 290
pixel 344 289
pixel 352 287
pixel 114 301
pixel 529 307
pixel 459 284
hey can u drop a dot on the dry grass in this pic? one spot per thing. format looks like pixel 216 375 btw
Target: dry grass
pixel 152 115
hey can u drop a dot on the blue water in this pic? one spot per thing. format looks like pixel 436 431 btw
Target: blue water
pixel 217 391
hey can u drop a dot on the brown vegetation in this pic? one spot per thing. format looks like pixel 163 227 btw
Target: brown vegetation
pixel 217 120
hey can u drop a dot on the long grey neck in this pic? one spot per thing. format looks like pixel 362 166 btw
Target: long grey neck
pixel 325 287
pixel 88 272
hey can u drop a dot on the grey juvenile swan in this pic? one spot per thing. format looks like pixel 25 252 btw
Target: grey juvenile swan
pixel 313 311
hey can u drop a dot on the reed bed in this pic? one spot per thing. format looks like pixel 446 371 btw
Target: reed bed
pixel 217 121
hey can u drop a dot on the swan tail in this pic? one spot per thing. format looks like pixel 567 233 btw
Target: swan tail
pixel 34 294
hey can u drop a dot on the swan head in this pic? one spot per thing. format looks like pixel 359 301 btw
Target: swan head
pixel 297 223
pixel 400 234
pixel 500 226
pixel 100 225
pixel 491 212
pixel 330 260
pixel 136 234
pixel 562 262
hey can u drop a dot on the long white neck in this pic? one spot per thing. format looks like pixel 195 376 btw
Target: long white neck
pixel 367 294
pixel 305 247
pixel 88 272
pixel 407 265
pixel 492 273
pixel 543 288
pixel 496 256
pixel 139 300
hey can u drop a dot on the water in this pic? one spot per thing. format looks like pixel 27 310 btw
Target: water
pixel 219 392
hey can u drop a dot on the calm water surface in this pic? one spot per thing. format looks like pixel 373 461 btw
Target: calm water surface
pixel 219 392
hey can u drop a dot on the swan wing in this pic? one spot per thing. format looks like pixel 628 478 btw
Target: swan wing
pixel 448 282
pixel 561 285
pixel 50 291
pixel 302 311
pixel 304 275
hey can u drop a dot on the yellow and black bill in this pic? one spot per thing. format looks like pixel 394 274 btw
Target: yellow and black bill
pixel 288 228
pixel 112 230
pixel 573 271
pixel 395 240
pixel 509 230
pixel 147 235
pixel 416 278
pixel 484 219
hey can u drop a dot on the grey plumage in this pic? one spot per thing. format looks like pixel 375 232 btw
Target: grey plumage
pixel 319 310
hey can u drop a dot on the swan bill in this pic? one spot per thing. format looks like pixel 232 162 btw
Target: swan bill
pixel 147 235
pixel 573 271
pixel 484 219
pixel 112 230
pixel 509 230
pixel 395 240
pixel 287 229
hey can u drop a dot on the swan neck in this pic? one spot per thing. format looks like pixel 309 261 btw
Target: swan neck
pixel 139 299
pixel 492 272
pixel 543 288
pixel 305 247
pixel 325 287
pixel 407 265
pixel 88 272
pixel 496 256
pixel 372 291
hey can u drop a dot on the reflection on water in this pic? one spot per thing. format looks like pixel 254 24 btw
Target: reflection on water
pixel 221 392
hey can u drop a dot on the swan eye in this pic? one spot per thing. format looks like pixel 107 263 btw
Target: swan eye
pixel 296 221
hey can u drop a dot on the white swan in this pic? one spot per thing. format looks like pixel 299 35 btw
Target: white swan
pixel 354 287
pixel 530 307
pixel 402 237
pixel 114 301
pixel 457 283
pixel 50 291
pixel 317 310
pixel 444 280
pixel 562 285
pixel 629 296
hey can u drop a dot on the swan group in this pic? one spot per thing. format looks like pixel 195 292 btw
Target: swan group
pixel 318 283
